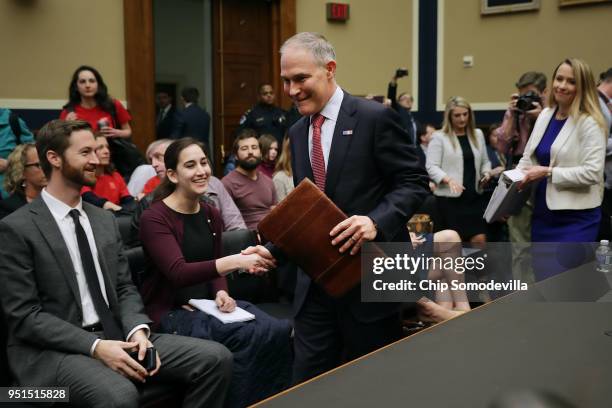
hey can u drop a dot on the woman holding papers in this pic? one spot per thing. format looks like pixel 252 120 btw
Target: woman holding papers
pixel 458 163
pixel 181 237
pixel 565 154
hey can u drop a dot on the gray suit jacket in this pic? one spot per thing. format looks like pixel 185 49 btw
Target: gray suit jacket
pixel 40 295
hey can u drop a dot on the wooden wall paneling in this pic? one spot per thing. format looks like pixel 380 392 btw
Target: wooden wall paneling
pixel 246 39
pixel 219 146
pixel 140 69
pixel 285 29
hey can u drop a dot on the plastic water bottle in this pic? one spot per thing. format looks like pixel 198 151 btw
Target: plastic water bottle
pixel 604 257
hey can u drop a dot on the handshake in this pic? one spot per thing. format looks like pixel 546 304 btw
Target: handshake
pixel 256 260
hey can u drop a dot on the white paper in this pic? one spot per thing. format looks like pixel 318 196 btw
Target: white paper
pixel 513 175
pixel 210 307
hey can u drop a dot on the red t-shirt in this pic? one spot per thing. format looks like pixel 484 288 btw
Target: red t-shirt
pixel 109 186
pixel 151 185
pixel 93 115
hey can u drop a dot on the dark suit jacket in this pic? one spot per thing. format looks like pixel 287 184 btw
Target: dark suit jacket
pixel 11 203
pixel 372 172
pixel 168 126
pixel 40 295
pixel 194 122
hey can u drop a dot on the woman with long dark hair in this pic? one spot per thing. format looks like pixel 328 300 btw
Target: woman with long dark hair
pixel 88 100
pixel 181 236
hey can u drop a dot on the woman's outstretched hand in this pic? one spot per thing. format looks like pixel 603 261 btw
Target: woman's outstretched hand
pixel 257 260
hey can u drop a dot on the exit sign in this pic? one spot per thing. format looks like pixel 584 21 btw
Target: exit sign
pixel 337 12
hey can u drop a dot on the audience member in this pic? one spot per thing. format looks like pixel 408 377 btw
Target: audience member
pixel 166 121
pixel 448 303
pixel 155 154
pixel 265 117
pixel 565 156
pixel 88 100
pixel 497 159
pixel 69 302
pixel 269 152
pixel 139 178
pixel 13 131
pixel 379 188
pixel 24 178
pixel 283 176
pixel 109 191
pixel 512 137
pixel 181 236
pixel 496 231
pixel 193 121
pixel 403 106
pixel 457 162
pixel 215 194
pixel 424 133
pixel 253 193
pixel 604 90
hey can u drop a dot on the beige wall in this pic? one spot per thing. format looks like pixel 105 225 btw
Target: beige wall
pixel 370 46
pixel 504 46
pixel 44 41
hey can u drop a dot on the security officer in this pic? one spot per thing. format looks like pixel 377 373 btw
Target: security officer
pixel 265 117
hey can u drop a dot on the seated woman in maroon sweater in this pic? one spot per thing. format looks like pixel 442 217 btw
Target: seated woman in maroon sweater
pixel 181 237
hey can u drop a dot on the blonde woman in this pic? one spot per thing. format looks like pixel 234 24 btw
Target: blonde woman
pixel 458 163
pixel 283 175
pixel 564 159
pixel 24 178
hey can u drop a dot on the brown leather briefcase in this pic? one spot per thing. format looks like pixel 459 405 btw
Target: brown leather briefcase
pixel 300 225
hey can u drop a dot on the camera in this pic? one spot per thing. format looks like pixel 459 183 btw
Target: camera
pixel 401 72
pixel 527 101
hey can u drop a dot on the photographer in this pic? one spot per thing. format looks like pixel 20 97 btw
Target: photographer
pixel 403 105
pixel 523 110
pixel 513 134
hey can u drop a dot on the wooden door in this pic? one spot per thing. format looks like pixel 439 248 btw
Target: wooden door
pixel 246 37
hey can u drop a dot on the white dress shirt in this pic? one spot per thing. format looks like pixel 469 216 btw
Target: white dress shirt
pixel 61 213
pixel 330 112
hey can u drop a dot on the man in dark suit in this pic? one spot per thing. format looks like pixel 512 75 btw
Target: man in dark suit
pixel 166 123
pixel 193 121
pixel 71 308
pixel 358 154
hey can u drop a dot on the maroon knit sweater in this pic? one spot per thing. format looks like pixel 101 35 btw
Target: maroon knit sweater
pixel 161 234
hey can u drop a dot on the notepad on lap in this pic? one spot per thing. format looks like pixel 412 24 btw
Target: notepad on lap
pixel 210 307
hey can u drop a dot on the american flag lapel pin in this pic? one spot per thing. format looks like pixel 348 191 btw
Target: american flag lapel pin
pixel 347 132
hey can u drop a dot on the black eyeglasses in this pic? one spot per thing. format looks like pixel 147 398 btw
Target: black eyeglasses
pixel 37 164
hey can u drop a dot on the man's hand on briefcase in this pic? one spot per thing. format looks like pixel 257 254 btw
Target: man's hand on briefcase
pixel 353 231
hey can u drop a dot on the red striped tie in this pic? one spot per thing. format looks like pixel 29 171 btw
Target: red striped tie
pixel 317 160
